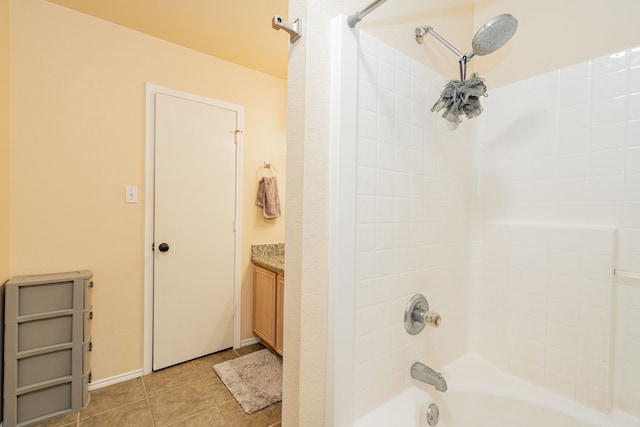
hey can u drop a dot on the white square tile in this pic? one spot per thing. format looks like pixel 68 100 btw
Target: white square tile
pixel 631 187
pixel 609 85
pixel 368 44
pixel 634 53
pixel 367 124
pixel 387 54
pixel 629 241
pixel 366 181
pixel 563 312
pixel 384 209
pixel 365 237
pixel 384 183
pixel 552 78
pixel 368 67
pixel 596 267
pixel 575 72
pixel 418 116
pixel 387 102
pixel 564 263
pixel 383 264
pixel 634 106
pixel 403 136
pixel 609 110
pixel 595 345
pixel 634 80
pixel 565 239
pixel 593 396
pixel 610 63
pixel 531 350
pixel 628 322
pixel 403 62
pixel 606 187
pixel 384 236
pixel 418 90
pixel 574 93
pixel 367 152
pixel 364 293
pixel 364 261
pixel 632 160
pixel 419 71
pixel 386 129
pixel 606 162
pixel 608 136
pixel 386 156
pixel 368 96
pixel 403 83
pixel 529 326
pixel 598 241
pixel 561 361
pixel 573 165
pixel 574 117
pixel 594 318
pixel 629 349
pixel 366 209
pixel 564 287
pixel 562 384
pixel 573 141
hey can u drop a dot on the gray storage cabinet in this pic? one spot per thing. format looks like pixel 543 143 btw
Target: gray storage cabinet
pixel 47 344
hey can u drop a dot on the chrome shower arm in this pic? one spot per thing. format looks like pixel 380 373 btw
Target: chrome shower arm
pixel 421 31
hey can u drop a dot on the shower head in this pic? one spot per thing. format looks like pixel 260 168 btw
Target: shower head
pixel 494 34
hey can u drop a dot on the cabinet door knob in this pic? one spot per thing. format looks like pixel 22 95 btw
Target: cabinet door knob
pixel 164 247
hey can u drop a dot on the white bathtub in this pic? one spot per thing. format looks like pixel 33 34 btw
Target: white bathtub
pixel 480 395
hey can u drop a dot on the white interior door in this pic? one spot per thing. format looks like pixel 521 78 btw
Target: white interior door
pixel 194 236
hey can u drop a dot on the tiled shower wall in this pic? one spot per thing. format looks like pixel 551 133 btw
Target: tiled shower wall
pixel 412 224
pixel 563 149
pixel 543 304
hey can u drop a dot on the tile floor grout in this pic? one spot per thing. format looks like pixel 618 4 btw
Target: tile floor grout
pixel 186 395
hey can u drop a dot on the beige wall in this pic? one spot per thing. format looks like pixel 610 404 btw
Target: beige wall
pixel 78 137
pixel 4 142
pixel 553 34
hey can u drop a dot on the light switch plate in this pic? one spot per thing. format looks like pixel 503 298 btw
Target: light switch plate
pixel 131 194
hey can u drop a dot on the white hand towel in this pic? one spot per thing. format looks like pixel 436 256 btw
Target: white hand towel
pixel 268 197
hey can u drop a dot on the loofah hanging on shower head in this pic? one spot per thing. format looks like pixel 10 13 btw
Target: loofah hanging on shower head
pixel 461 98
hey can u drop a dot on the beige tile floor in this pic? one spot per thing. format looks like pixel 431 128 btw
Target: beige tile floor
pixel 185 395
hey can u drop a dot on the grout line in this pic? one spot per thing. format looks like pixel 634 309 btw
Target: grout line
pixel 153 421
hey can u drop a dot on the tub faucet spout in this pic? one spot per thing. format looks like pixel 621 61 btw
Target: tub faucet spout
pixel 425 374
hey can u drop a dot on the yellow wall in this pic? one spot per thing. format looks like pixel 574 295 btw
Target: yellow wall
pixel 4 142
pixel 78 137
pixel 553 34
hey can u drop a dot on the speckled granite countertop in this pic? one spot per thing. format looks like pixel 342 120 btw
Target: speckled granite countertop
pixel 269 256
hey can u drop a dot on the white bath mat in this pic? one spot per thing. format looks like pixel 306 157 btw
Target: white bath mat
pixel 255 380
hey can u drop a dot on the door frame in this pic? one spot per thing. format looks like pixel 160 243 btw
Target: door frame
pixel 151 91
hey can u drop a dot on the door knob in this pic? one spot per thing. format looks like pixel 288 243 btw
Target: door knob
pixel 163 247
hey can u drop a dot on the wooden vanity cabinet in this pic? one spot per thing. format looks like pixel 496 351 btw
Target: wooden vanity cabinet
pixel 268 302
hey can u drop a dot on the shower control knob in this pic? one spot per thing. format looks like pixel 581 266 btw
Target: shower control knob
pixel 163 247
pixel 417 315
pixel 427 317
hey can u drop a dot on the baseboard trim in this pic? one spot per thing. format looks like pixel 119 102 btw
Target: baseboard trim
pixel 115 380
pixel 250 341
pixel 138 373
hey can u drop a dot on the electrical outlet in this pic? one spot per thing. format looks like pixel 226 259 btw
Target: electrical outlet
pixel 131 194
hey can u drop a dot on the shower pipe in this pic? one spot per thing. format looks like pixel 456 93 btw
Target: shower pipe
pixel 357 17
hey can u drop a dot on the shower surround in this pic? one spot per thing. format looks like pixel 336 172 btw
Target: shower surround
pixel 417 207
